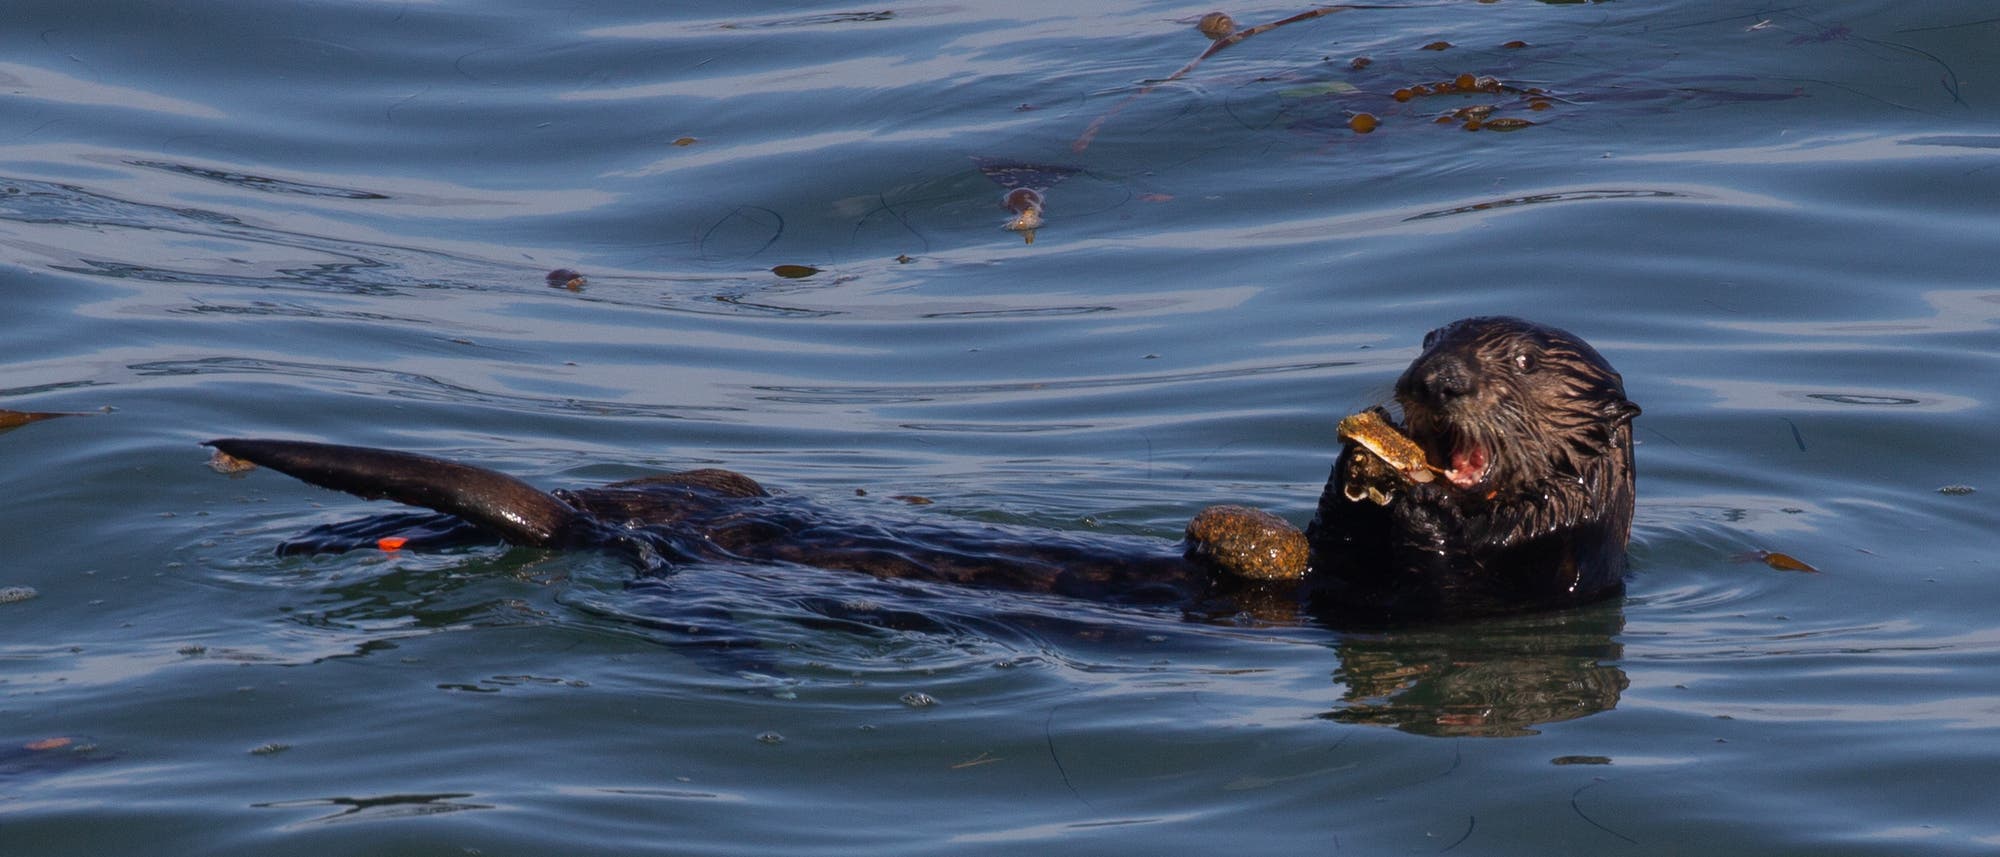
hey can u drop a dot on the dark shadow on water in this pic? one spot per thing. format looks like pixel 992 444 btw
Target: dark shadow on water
pixel 1496 678
pixel 379 807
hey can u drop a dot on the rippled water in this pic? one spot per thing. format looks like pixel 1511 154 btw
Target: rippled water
pixel 334 221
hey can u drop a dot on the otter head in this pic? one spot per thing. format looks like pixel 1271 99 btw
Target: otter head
pixel 1509 403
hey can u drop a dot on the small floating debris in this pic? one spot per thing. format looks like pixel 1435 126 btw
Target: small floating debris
pixel 984 758
pixel 917 699
pixel 685 141
pixel 1781 562
pixel 1956 490
pixel 1026 205
pixel 1025 183
pixel 11 594
pixel 564 278
pixel 794 272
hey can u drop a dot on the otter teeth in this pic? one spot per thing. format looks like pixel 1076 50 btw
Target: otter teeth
pixel 1468 464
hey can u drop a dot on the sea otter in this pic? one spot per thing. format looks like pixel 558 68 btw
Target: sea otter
pixel 1533 511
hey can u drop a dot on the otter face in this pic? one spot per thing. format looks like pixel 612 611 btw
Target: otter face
pixel 1510 403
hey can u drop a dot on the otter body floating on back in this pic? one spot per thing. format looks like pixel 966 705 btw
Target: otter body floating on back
pixel 1534 510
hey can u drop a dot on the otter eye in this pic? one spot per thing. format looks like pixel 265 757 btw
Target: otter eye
pixel 1524 362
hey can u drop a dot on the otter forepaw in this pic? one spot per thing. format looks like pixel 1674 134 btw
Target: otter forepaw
pixel 1429 514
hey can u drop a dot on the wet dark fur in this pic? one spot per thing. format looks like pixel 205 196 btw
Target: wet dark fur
pixel 1548 528
pixel 1548 525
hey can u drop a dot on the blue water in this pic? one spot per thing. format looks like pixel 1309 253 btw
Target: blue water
pixel 333 221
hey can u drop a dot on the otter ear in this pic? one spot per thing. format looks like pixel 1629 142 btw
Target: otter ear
pixel 1622 411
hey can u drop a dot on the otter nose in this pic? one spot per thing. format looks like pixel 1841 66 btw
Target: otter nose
pixel 1442 379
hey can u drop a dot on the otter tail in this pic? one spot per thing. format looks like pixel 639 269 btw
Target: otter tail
pixel 493 501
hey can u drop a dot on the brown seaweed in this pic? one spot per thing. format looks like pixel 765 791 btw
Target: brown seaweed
pixel 1221 28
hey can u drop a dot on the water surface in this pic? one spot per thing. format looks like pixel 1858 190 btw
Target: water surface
pixel 333 221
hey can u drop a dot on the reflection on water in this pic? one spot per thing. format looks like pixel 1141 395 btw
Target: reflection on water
pixel 1501 680
pixel 424 388
pixel 39 83
pixel 1770 396
pixel 1954 311
pixel 1557 196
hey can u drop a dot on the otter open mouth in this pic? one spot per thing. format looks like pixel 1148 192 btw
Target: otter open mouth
pixel 1469 462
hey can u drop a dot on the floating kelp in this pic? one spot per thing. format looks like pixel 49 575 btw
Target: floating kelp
pixel 1357 97
pixel 1223 32
pixel 1495 103
pixel 1216 25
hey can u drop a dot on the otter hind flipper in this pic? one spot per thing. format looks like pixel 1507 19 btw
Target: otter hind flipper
pixel 514 510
